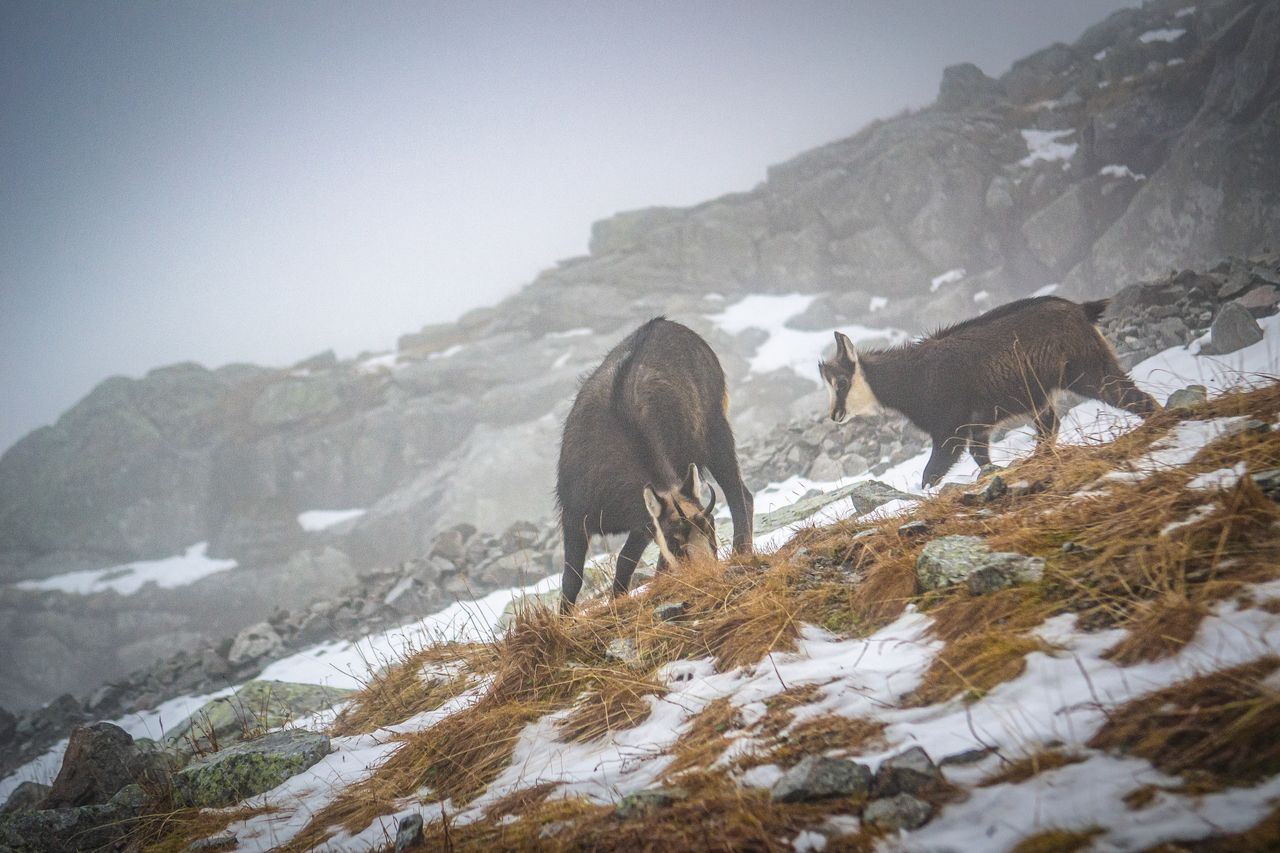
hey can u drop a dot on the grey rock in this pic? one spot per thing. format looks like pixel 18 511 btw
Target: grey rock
pixel 908 772
pixel 817 777
pixel 671 611
pixel 1234 328
pixel 1185 398
pixel 643 802
pixel 93 827
pixel 969 756
pixel 994 489
pixel 955 559
pixel 8 724
pixel 622 650
pixel 26 797
pixel 1268 481
pixel 1261 301
pixel 101 759
pixel 913 529
pixel 409 833
pixel 901 811
pixel 965 87
pixel 221 841
pixel 248 768
pixel 870 494
pixel 253 643
pixel 1003 570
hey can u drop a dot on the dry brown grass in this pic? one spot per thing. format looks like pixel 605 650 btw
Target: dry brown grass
pixel 1222 724
pixel 396 694
pixel 821 734
pixel 171 832
pixel 1022 769
pixel 1158 629
pixel 1057 841
pixel 618 703
pixel 520 800
pixel 705 741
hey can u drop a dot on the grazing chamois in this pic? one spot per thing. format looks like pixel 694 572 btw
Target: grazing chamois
pixel 643 423
pixel 957 383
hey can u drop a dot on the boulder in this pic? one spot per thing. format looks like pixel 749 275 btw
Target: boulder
pixel 965 87
pixel 1261 301
pixel 1185 398
pixel 256 707
pixel 622 650
pixel 1234 328
pixel 254 643
pixel 100 760
pixel 95 827
pixel 949 560
pixel 26 797
pixel 817 777
pixel 908 772
pixel 248 768
pixel 901 811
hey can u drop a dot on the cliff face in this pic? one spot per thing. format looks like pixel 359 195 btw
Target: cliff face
pixel 1146 145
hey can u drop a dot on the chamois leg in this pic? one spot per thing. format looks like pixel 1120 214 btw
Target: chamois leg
pixel 628 557
pixel 723 465
pixel 979 441
pixel 575 556
pixel 946 450
pixel 1109 384
pixel 1046 422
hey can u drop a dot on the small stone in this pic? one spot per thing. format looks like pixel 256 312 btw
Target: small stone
pixel 1077 548
pixel 221 841
pixel 913 529
pixel 993 489
pixel 622 650
pixel 671 611
pixel 909 772
pixel 870 494
pixel 642 802
pixel 1185 398
pixel 948 560
pixel 969 756
pixel 410 832
pixel 554 828
pixel 901 811
pixel 1268 481
pixel 817 777
pixel 1022 488
pixel 253 643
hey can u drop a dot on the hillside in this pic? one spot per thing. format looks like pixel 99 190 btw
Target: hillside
pixel 1143 146
pixel 1134 574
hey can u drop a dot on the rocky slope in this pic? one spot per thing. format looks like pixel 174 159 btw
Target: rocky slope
pixel 1144 146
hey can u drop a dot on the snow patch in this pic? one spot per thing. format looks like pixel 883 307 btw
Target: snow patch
pixel 445 353
pixel 1046 290
pixel 314 520
pixel 948 277
pixel 1223 478
pixel 878 303
pixel 1115 170
pixel 1043 146
pixel 1166 35
pixel 571 333
pixel 126 579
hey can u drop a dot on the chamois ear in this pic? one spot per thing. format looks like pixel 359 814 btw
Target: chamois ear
pixel 845 349
pixel 652 503
pixel 692 485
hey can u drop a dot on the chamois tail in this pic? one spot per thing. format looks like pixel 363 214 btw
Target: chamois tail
pixel 622 400
pixel 1093 310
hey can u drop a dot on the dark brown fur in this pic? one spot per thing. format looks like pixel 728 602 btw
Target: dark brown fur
pixel 654 407
pixel 959 382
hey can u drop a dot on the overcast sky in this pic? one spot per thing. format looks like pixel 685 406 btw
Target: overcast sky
pixel 227 181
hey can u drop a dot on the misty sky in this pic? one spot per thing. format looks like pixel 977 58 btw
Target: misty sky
pixel 227 181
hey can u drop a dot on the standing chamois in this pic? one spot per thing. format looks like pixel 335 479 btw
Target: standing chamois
pixel 957 383
pixel 642 425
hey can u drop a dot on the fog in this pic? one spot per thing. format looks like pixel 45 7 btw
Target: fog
pixel 259 182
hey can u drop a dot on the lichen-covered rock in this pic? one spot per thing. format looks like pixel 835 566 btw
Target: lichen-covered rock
pixel 901 811
pixel 1234 328
pixel 950 560
pixel 622 650
pixel 256 707
pixel 248 768
pixel 909 772
pixel 817 777
pixel 102 826
pixel 1185 398
pixel 870 494
pixel 642 802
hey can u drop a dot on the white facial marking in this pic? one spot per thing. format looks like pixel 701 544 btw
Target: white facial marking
pixel 860 400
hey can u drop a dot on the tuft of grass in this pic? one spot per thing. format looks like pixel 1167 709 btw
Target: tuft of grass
pixel 706 739
pixel 1057 840
pixel 618 703
pixel 1158 629
pixel 1221 724
pixel 821 734
pixel 1022 769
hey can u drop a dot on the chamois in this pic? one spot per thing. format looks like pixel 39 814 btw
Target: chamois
pixel 959 382
pixel 644 422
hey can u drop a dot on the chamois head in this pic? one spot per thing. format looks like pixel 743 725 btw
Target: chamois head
pixel 846 383
pixel 683 528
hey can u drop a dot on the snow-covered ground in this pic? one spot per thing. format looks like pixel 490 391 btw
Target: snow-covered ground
pixel 1044 146
pixel 127 578
pixel 1060 697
